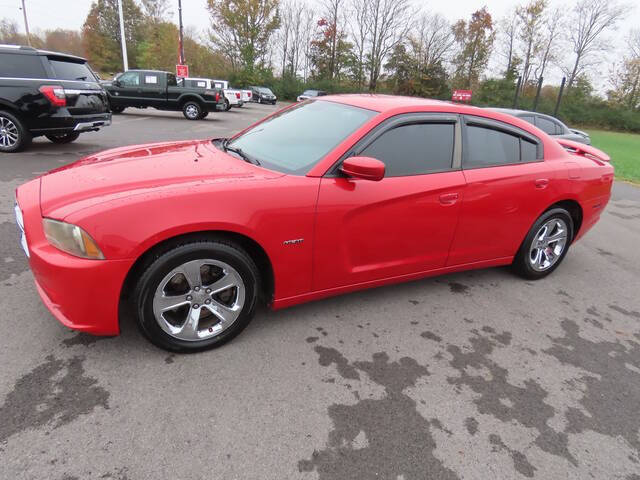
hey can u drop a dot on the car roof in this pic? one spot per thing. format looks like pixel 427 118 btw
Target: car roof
pixel 382 103
pixel 523 113
pixel 25 50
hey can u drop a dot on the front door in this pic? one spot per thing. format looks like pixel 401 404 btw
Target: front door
pixel 127 92
pixel 403 224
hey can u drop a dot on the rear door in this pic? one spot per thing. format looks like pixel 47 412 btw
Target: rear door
pixel 508 185
pixel 403 224
pixel 152 91
pixel 84 94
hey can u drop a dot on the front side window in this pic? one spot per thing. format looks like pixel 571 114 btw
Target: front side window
pixel 488 147
pixel 68 70
pixel 129 79
pixel 414 149
pixel 546 125
pixel 21 66
pixel 294 140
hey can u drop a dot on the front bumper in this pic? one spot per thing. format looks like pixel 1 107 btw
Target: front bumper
pixel 81 294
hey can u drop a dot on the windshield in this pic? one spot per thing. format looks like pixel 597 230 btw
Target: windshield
pixel 266 90
pixel 309 93
pixel 296 139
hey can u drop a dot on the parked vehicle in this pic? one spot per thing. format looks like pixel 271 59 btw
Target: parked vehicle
pixel 47 93
pixel 549 125
pixel 263 95
pixel 324 197
pixel 310 94
pixel 233 96
pixel 160 90
pixel 247 95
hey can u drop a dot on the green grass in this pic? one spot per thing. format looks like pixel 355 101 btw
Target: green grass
pixel 624 150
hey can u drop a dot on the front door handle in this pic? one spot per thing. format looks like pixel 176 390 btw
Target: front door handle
pixel 448 198
pixel 541 183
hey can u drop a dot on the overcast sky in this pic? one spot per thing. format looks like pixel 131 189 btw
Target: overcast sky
pixel 51 14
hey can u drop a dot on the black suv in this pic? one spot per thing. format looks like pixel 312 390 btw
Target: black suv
pixel 47 93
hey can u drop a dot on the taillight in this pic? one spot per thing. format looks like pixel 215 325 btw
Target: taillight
pixel 217 96
pixel 55 95
pixel 249 93
pixel 237 95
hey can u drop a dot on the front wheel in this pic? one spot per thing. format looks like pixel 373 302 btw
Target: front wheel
pixel 117 109
pixel 63 138
pixel 197 296
pixel 192 110
pixel 545 246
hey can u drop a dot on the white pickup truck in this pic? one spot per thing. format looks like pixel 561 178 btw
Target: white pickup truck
pixel 232 97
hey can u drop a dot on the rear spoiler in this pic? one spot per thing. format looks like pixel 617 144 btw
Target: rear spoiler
pixel 583 150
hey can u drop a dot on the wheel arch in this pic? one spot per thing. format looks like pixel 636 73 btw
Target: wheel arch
pixel 187 97
pixel 575 210
pixel 251 246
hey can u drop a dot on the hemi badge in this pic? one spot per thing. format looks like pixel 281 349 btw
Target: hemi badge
pixel 295 241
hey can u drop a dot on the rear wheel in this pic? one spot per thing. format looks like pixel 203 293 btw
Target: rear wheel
pixel 14 136
pixel 197 296
pixel 546 245
pixel 117 109
pixel 227 105
pixel 192 110
pixel 64 138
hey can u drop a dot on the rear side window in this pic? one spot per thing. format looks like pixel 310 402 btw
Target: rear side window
pixel 21 66
pixel 171 80
pixel 529 151
pixel 488 147
pixel 414 149
pixel 66 70
pixel 547 126
pixel 150 79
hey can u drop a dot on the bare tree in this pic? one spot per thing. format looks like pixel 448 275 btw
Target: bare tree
pixel 156 10
pixel 359 35
pixel 431 40
pixel 388 23
pixel 549 52
pixel 589 20
pixel 531 17
pixel 507 37
pixel 309 27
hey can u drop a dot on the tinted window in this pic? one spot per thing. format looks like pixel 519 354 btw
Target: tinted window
pixel 529 151
pixel 66 70
pixel 129 79
pixel 487 147
pixel 414 149
pixel 21 66
pixel 298 137
pixel 547 126
pixel 172 81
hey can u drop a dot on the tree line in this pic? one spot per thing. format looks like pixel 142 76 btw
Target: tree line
pixel 388 46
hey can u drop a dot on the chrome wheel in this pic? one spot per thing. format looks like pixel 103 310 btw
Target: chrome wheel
pixel 548 244
pixel 9 134
pixel 199 299
pixel 192 111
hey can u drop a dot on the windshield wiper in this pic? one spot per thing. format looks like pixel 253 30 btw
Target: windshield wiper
pixel 240 152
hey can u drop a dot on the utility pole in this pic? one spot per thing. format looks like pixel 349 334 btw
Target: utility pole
pixel 26 23
pixel 123 40
pixel 181 38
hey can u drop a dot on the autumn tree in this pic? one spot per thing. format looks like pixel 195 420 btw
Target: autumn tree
pixel 242 29
pixel 330 51
pixel 625 78
pixel 507 37
pixel 475 41
pixel 101 34
pixel 156 11
pixel 588 21
pixel 65 41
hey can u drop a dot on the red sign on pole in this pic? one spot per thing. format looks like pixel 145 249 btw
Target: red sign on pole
pixel 182 71
pixel 461 96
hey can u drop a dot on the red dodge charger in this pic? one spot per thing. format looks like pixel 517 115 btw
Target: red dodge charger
pixel 324 197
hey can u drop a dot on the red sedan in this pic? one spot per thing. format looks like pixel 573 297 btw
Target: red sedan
pixel 324 197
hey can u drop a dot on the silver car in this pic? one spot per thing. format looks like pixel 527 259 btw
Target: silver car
pixel 548 124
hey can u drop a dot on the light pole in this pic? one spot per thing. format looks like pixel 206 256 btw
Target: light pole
pixel 26 23
pixel 123 41
pixel 181 39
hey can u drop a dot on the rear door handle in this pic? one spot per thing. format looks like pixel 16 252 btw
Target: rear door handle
pixel 541 183
pixel 448 198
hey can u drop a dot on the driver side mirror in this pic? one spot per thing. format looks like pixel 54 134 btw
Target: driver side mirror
pixel 367 168
pixel 117 83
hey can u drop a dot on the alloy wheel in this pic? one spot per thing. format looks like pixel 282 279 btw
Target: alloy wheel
pixel 199 299
pixel 9 134
pixel 548 244
pixel 192 111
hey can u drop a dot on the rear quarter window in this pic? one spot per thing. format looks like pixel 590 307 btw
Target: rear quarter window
pixel 21 66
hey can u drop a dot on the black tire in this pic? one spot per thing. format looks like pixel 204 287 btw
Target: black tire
pixel 117 110
pixel 64 138
pixel 227 105
pixel 204 115
pixel 522 264
pixel 220 250
pixel 14 136
pixel 192 110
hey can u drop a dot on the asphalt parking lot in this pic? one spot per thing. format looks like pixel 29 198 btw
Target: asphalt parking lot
pixel 474 375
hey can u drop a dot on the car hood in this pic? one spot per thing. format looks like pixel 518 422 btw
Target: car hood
pixel 138 169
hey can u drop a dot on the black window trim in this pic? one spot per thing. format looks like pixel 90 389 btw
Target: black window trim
pixel 399 121
pixel 131 72
pixel 475 121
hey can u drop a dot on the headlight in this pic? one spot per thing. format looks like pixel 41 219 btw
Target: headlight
pixel 71 239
